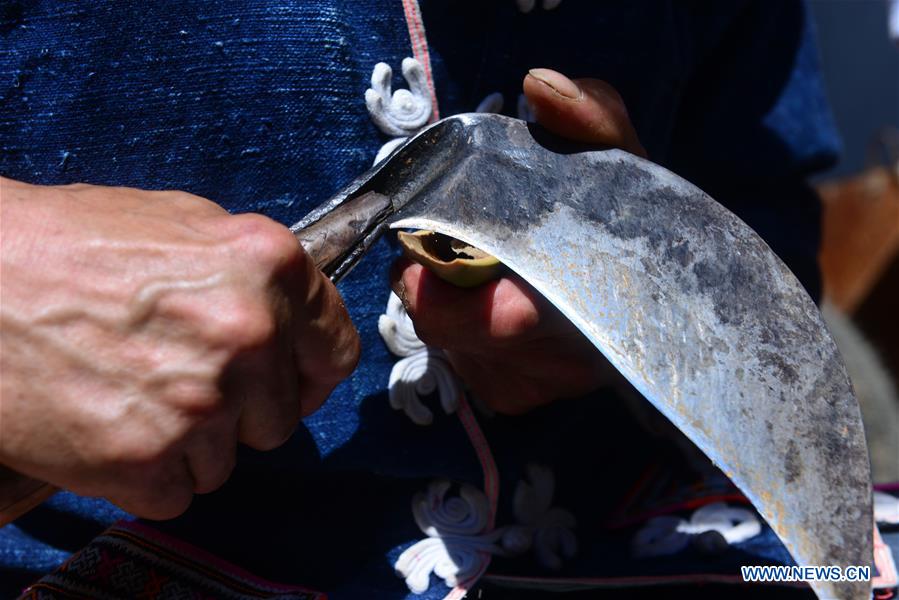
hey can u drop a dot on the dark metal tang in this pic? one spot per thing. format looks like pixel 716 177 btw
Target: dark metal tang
pixel 338 239
pixel 680 295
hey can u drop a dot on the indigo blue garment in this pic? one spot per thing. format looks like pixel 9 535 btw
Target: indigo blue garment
pixel 258 105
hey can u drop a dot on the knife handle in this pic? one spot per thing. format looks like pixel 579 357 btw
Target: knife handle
pixel 342 230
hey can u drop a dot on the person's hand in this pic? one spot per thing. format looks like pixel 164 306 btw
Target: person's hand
pixel 509 344
pixel 143 334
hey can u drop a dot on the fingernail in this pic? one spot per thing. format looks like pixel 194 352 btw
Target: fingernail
pixel 558 82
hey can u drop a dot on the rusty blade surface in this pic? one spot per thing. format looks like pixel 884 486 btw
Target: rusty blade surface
pixel 680 295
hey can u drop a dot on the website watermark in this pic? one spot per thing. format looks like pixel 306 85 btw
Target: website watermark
pixel 783 573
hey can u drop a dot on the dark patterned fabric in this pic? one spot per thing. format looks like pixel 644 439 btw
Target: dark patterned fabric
pixel 131 561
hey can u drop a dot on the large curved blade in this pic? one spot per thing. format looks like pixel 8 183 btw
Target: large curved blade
pixel 682 297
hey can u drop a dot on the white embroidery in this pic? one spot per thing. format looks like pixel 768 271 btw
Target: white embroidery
pixel 458 546
pixel 419 375
pixel 527 6
pixel 397 330
pixel 659 537
pixel 464 515
pixel 421 372
pixel 886 508
pixel 403 112
pixel 668 534
pixel 551 528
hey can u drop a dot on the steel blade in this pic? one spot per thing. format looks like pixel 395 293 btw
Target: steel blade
pixel 682 297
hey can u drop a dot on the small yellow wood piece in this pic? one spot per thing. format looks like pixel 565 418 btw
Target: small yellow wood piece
pixel 450 259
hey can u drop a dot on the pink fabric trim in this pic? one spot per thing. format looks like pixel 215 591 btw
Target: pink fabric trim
pixel 200 555
pixel 885 563
pixel 491 486
pixel 420 48
pixel 485 456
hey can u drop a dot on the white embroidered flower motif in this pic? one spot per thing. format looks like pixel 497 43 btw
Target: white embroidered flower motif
pixel 405 111
pixel 550 527
pixel 527 6
pixel 419 375
pixel 397 330
pixel 886 508
pixel 456 549
pixel 421 372
pixel 668 534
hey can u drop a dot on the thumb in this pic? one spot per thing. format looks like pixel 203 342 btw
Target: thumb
pixel 583 110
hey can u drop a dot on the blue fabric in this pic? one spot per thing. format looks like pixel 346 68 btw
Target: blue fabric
pixel 258 105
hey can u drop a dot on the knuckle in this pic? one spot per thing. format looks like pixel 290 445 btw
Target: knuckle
pixel 267 242
pixel 197 400
pixel 244 323
pixel 133 451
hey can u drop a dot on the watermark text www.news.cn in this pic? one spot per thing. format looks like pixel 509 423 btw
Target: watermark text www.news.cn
pixel 810 573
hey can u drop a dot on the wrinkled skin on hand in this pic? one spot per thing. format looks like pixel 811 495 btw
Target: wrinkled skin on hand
pixel 143 334
pixel 509 344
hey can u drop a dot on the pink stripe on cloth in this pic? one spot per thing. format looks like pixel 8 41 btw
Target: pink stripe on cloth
pixel 491 487
pixel 485 456
pixel 884 561
pixel 420 49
